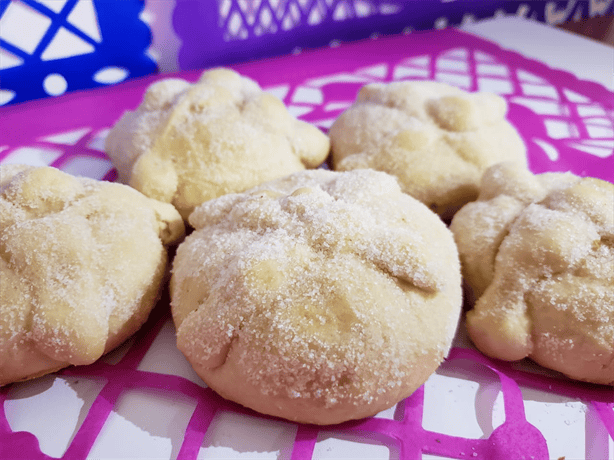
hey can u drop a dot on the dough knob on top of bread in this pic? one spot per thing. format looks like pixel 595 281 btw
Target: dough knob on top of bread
pixel 538 253
pixel 81 262
pixel 188 143
pixel 319 297
pixel 435 138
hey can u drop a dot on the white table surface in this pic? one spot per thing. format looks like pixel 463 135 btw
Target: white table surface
pixel 585 58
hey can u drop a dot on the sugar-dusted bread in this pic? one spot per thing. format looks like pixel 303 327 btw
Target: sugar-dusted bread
pixel 435 138
pixel 81 264
pixel 320 297
pixel 188 143
pixel 538 253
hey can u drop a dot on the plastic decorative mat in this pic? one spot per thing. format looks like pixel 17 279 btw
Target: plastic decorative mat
pixel 229 31
pixel 42 43
pixel 144 401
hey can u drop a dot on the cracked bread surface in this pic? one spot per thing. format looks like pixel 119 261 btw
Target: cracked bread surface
pixel 81 263
pixel 435 138
pixel 320 297
pixel 187 143
pixel 538 253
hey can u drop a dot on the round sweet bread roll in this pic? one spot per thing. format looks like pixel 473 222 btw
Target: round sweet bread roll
pixel 320 297
pixel 188 143
pixel 81 264
pixel 435 138
pixel 538 253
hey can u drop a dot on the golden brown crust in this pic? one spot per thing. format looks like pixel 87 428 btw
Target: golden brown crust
pixel 320 297
pixel 435 138
pixel 188 143
pixel 538 251
pixel 82 262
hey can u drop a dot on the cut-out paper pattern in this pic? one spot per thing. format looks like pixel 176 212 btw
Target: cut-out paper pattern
pixel 230 31
pixel 50 47
pixel 555 113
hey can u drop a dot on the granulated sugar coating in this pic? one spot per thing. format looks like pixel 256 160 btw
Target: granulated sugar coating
pixel 435 138
pixel 81 263
pixel 319 298
pixel 538 252
pixel 188 143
